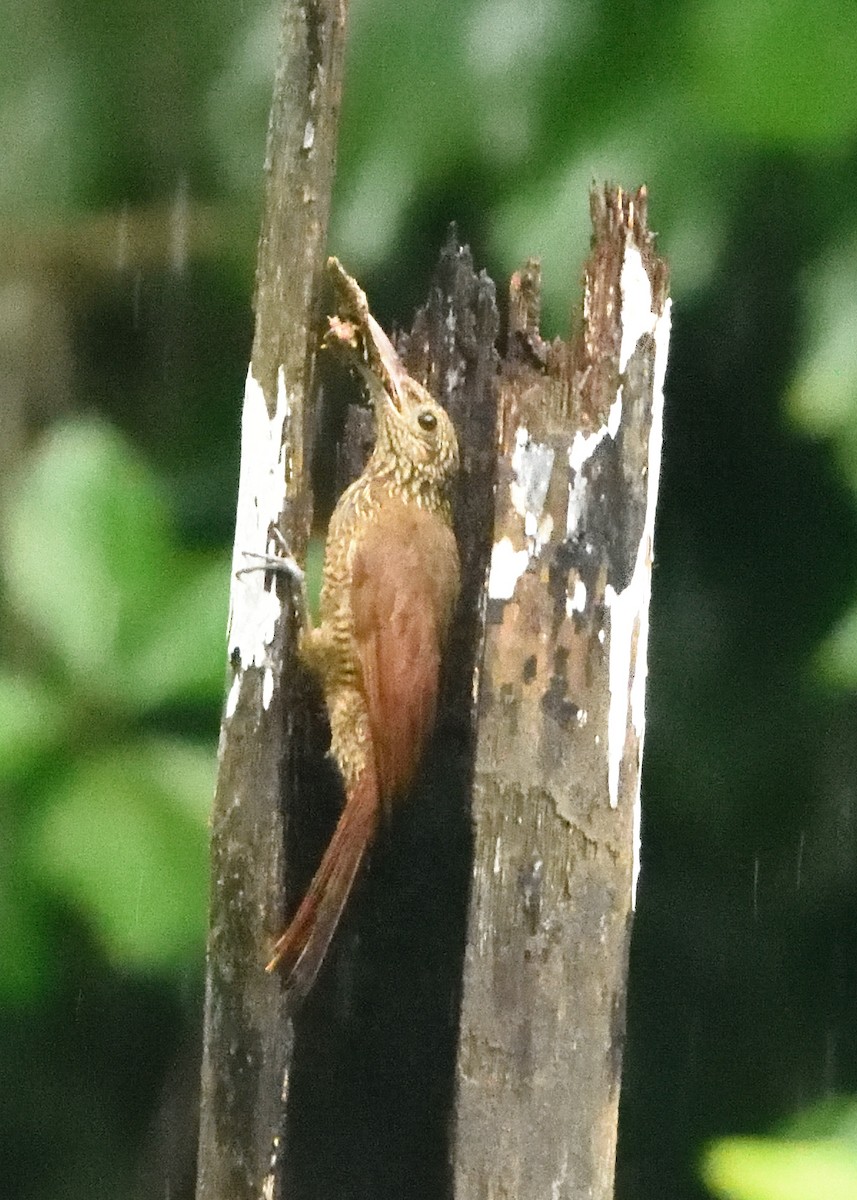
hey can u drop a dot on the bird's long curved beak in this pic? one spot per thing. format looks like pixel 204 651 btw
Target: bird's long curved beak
pixel 392 373
pixel 381 367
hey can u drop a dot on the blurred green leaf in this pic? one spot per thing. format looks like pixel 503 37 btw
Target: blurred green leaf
pixel 832 1117
pixel 836 658
pixel 780 72
pixel 391 149
pixel 183 656
pixel 39 97
pixel 238 100
pixel 125 837
pixel 33 719
pixel 92 566
pixel 22 935
pixel 822 398
pixel 765 1169
pixel 549 215
pixel 88 555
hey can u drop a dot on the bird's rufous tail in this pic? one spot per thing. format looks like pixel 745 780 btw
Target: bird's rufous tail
pixel 301 949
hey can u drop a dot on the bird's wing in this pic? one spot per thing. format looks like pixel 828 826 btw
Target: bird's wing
pixel 405 582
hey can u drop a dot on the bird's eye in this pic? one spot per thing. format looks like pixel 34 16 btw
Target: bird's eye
pixel 427 420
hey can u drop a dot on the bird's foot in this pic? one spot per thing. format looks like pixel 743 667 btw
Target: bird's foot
pixel 283 562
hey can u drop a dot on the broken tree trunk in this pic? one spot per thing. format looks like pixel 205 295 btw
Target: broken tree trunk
pixel 247 1040
pixel 560 729
pixel 389 1083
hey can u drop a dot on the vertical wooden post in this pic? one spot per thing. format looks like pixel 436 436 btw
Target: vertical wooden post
pixel 247 1042
pixel 560 730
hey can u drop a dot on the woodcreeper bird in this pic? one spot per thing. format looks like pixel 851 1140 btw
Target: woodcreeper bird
pixel 389 587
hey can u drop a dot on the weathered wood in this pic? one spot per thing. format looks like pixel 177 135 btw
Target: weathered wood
pixel 370 1106
pixel 561 696
pixel 266 735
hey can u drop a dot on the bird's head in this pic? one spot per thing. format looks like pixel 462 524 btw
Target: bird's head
pixel 415 446
pixel 415 436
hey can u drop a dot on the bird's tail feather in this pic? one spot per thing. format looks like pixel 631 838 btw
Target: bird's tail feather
pixel 301 949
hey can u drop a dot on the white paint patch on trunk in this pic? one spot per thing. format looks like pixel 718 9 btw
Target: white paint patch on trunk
pixel 637 315
pixel 582 448
pixel 576 502
pixel 267 688
pixel 507 567
pixel 638 687
pixel 532 464
pixel 576 602
pixel 253 610
pixel 537 532
pixel 614 417
pixel 629 609
pixel 232 698
pixel 624 608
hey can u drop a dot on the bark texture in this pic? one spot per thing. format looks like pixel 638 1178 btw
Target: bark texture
pixel 561 713
pixel 465 1033
pixel 268 740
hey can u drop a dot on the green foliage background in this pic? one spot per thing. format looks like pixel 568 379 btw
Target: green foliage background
pixel 132 142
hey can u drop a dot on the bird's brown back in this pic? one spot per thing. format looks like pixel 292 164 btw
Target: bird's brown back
pixel 404 587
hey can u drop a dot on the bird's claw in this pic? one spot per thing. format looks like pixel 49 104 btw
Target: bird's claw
pixel 283 562
pixel 280 564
